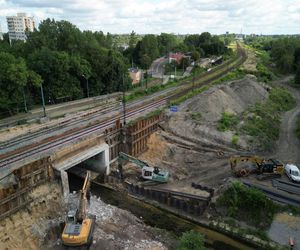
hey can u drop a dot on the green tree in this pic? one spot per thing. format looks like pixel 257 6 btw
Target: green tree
pixel 297 77
pixel 191 241
pixel 13 78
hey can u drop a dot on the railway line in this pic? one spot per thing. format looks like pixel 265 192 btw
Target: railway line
pixel 276 194
pixel 157 100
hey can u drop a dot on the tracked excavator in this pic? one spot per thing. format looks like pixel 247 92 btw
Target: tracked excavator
pixel 267 169
pixel 148 172
pixel 78 230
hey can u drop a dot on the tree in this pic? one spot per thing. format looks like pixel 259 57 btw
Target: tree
pixel 13 78
pixel 191 241
pixel 297 77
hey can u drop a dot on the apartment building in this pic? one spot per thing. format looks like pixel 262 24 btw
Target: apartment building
pixel 18 25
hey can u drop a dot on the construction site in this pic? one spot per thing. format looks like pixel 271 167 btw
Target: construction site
pixel 171 164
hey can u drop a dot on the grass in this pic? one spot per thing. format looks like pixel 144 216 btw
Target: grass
pixel 262 121
pixel 196 116
pixel 227 122
pixel 235 139
pixel 147 116
pixel 248 204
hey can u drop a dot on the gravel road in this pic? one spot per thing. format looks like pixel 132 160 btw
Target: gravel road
pixel 288 146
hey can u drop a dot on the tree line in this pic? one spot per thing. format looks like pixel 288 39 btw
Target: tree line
pixel 63 60
pixel 284 52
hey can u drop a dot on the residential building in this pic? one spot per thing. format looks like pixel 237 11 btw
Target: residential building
pixel 135 75
pixel 18 25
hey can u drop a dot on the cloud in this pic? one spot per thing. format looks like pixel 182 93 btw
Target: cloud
pixel 154 16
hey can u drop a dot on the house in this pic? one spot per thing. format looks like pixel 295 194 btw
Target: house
pixel 175 57
pixel 135 75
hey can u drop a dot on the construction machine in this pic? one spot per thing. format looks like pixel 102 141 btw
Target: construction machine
pixel 148 172
pixel 270 168
pixel 78 230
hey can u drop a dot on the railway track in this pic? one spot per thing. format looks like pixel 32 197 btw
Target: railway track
pixel 287 186
pixel 275 194
pixel 157 100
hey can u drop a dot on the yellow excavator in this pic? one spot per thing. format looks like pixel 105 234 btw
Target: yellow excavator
pixel 78 230
pixel 270 168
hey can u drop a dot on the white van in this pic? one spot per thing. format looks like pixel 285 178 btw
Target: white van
pixel 292 172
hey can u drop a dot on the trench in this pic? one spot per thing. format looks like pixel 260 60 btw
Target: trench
pixel 156 217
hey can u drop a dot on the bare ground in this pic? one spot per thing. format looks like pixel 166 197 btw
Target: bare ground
pixel 288 145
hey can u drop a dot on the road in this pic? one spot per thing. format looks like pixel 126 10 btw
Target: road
pixel 156 68
pixel 288 146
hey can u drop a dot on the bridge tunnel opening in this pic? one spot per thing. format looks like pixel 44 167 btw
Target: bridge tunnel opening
pixel 95 159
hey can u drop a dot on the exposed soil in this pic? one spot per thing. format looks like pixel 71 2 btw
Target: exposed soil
pixel 288 145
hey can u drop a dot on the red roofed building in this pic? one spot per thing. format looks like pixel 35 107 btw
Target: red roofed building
pixel 176 57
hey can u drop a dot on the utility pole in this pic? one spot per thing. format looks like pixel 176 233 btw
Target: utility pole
pixel 43 100
pixel 25 104
pixel 87 85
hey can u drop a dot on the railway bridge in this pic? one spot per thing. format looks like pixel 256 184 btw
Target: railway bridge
pixel 92 142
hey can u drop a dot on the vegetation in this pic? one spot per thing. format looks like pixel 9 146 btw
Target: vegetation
pixel 61 58
pixel 196 116
pixel 235 139
pixel 191 241
pixel 262 121
pixel 248 204
pixel 283 51
pixel 227 122
pixel 298 128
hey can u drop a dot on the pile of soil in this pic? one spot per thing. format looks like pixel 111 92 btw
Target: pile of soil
pixel 232 97
pixel 27 228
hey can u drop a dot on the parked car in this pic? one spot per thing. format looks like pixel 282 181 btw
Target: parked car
pixel 292 172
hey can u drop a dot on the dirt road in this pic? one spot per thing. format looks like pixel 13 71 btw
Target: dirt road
pixel 288 146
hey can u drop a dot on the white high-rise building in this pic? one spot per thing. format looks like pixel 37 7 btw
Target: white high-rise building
pixel 18 25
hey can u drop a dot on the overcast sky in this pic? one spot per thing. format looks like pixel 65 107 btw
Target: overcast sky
pixel 156 16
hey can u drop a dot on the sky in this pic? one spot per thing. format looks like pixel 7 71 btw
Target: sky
pixel 171 16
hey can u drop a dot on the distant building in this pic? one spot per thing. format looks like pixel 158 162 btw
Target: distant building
pixel 175 57
pixel 18 25
pixel 135 75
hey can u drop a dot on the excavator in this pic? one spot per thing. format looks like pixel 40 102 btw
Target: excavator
pixel 267 169
pixel 148 172
pixel 78 230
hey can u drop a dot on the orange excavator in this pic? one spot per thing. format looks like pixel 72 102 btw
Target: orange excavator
pixel 78 230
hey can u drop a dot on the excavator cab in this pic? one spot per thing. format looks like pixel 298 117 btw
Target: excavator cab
pixel 71 216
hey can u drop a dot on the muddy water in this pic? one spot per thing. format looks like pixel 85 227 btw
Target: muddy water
pixel 283 227
pixel 155 217
pixel 158 218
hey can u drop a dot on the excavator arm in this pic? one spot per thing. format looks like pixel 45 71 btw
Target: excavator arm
pixel 83 200
pixel 125 157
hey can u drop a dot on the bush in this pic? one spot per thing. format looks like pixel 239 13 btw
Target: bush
pixel 227 122
pixel 196 116
pixel 235 139
pixel 263 120
pixel 191 241
pixel 249 204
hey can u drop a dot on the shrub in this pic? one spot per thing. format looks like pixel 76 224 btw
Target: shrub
pixel 191 241
pixel 227 122
pixel 263 119
pixel 249 204
pixel 196 116
pixel 235 139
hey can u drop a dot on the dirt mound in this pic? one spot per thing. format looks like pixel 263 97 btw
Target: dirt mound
pixel 233 97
